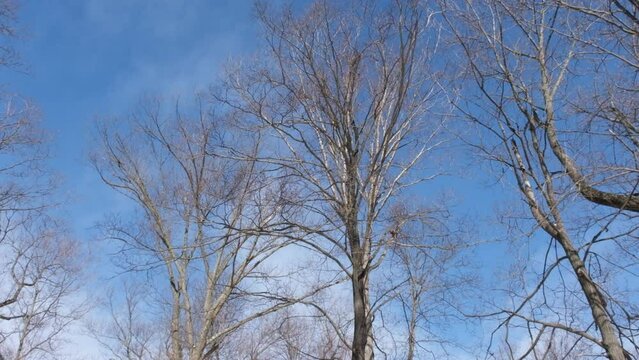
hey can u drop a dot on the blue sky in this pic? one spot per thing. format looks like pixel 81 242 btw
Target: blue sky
pixel 91 59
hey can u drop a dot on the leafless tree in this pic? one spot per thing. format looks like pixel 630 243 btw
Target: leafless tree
pixel 291 334
pixel 39 263
pixel 200 230
pixel 343 93
pixel 525 63
pixel 39 281
pixel 552 344
pixel 125 334
pixel 426 257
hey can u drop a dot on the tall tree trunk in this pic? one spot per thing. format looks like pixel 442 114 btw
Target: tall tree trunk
pixel 411 328
pixel 176 346
pixel 609 338
pixel 362 335
pixel 362 322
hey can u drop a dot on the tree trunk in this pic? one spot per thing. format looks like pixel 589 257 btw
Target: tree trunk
pixel 411 329
pixel 176 346
pixel 609 338
pixel 362 335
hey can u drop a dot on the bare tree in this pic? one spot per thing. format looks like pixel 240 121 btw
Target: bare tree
pixel 290 334
pixel 201 226
pixel 39 266
pixel 523 64
pixel 126 334
pixel 40 273
pixel 425 273
pixel 552 344
pixel 343 93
